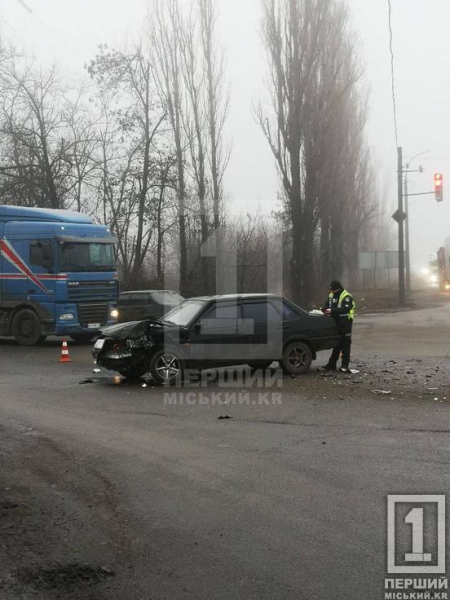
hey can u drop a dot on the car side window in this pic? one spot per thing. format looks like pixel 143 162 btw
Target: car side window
pixel 137 299
pixel 221 319
pixel 124 300
pixel 41 254
pixel 289 314
pixel 260 312
pixel 131 300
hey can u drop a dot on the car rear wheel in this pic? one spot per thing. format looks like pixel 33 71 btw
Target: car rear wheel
pixel 26 328
pixel 166 366
pixel 297 358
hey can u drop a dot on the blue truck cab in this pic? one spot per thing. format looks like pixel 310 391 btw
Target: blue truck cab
pixel 57 275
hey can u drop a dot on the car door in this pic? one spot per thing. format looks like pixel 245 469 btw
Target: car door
pixel 214 336
pixel 264 326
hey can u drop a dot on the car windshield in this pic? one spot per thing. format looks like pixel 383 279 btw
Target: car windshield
pixel 80 256
pixel 167 297
pixel 185 312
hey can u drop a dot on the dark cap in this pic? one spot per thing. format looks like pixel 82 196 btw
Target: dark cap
pixel 335 285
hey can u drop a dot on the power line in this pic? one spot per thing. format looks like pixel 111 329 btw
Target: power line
pixel 25 6
pixel 50 28
pixel 391 48
pixel 436 158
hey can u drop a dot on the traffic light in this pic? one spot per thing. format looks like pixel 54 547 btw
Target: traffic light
pixel 438 187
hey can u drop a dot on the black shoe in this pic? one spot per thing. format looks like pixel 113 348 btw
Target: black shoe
pixel 326 368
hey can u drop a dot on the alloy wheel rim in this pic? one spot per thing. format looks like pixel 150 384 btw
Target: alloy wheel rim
pixel 297 358
pixel 167 366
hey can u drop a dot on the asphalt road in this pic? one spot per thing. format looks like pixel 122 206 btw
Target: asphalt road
pixel 111 490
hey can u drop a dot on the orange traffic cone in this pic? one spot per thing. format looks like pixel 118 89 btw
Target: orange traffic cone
pixel 65 357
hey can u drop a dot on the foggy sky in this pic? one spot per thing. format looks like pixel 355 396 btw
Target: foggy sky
pixel 69 32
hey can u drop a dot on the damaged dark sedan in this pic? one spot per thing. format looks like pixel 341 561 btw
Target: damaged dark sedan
pixel 218 331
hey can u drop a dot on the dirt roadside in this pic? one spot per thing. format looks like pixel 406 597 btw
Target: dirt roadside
pixel 60 531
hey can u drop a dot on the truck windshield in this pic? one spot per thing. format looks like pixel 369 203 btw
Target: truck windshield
pixel 78 256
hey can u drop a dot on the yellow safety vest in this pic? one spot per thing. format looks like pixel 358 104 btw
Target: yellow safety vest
pixel 344 294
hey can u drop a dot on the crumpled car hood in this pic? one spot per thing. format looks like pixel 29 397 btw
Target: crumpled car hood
pixel 132 331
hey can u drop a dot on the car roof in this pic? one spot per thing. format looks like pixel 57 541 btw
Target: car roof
pixel 227 297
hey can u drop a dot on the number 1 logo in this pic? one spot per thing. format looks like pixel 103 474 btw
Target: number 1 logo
pixel 415 518
pixel 412 527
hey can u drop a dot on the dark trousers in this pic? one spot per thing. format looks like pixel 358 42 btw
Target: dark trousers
pixel 344 346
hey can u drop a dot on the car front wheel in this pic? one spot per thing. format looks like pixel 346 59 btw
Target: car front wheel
pixel 297 358
pixel 166 366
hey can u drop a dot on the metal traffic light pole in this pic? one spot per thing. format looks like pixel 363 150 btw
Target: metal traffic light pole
pixel 404 283
pixel 406 196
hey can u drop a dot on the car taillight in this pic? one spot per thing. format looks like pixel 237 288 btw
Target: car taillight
pixel 118 347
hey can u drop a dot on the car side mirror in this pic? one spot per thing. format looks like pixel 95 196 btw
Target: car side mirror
pixel 197 327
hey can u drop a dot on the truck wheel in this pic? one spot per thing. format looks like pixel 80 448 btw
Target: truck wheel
pixel 26 328
pixel 82 338
pixel 297 358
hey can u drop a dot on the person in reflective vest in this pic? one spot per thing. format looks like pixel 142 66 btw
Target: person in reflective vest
pixel 340 307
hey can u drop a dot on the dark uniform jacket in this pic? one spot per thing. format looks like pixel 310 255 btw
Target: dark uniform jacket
pixel 340 315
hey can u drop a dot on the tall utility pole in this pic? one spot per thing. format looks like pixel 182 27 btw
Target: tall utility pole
pixel 407 249
pixel 406 196
pixel 401 241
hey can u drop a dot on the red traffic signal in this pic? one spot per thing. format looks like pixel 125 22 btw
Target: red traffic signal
pixel 438 187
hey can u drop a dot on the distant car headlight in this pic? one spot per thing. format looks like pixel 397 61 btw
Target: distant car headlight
pixel 114 314
pixel 434 279
pixel 447 286
pixel 67 317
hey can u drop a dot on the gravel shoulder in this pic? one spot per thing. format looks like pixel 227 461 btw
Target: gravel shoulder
pixel 61 530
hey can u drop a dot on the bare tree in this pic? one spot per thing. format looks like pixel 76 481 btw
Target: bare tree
pixel 165 24
pixel 292 32
pixel 190 74
pixel 46 142
pixel 139 118
pixel 217 101
pixel 316 133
